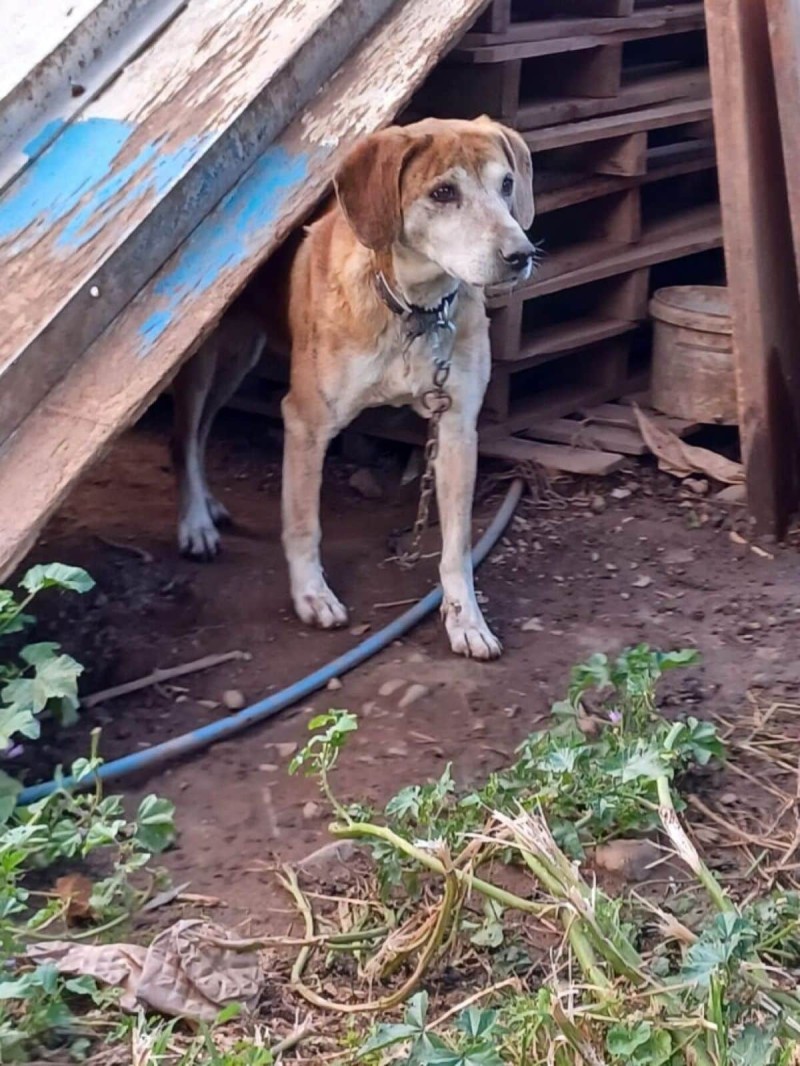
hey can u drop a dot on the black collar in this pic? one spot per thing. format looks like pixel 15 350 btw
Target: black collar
pixel 418 320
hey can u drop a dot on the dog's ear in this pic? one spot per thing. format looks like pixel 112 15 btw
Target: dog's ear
pixel 519 158
pixel 368 185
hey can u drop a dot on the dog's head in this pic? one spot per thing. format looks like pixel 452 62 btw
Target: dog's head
pixel 458 193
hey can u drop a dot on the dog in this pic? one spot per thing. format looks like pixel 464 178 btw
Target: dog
pixel 384 287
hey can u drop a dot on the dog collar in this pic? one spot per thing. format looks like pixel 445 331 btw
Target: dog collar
pixel 418 320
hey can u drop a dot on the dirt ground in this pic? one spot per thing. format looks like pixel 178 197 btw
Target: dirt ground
pixel 611 563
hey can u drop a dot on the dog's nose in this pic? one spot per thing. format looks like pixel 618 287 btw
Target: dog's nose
pixel 520 262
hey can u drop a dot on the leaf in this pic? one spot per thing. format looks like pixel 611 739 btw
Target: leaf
pixel 417 1010
pixel 477 1023
pixel 640 1044
pixel 386 1036
pixel 754 1047
pixel 57 575
pixel 728 940
pixel 34 654
pixel 490 933
pixel 16 720
pixel 9 790
pixel 405 803
pixel 644 762
pixel 155 824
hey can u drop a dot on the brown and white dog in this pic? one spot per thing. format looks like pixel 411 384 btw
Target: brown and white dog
pixel 388 278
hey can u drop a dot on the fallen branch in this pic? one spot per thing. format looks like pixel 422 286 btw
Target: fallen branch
pixel 159 676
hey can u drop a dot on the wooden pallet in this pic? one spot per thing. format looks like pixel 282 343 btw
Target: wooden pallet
pixel 542 82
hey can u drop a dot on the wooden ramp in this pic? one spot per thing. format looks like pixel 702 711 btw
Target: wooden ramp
pixel 135 203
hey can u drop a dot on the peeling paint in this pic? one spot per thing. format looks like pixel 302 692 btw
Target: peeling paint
pixel 252 206
pixel 77 184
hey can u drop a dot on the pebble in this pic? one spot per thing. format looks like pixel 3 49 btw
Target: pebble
pixel 366 484
pixel 642 582
pixel 286 750
pixel 388 688
pixel 233 699
pixel 413 693
pixel 533 625
pixel 310 810
pixel 598 504
pixel 697 485
pixel 359 631
pixel 334 684
pixel 620 494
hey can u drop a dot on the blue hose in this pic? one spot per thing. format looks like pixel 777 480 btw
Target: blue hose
pixel 266 708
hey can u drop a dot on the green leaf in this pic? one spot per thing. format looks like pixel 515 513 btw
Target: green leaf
pixel 57 575
pixel 34 654
pixel 16 720
pixel 727 941
pixel 9 790
pixel 417 1010
pixel 754 1047
pixel 640 1044
pixel 386 1036
pixel 477 1023
pixel 643 762
pixel 155 824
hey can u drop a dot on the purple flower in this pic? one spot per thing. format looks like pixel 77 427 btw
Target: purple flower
pixel 13 751
pixel 615 717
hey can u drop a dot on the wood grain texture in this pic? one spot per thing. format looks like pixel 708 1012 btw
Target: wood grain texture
pixel 762 276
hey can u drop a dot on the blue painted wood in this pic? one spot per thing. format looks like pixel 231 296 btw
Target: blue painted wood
pixel 117 190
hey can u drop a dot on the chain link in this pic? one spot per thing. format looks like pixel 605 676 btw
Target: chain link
pixel 436 401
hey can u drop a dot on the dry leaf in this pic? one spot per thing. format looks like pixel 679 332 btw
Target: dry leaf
pixel 680 459
pixel 187 972
pixel 76 891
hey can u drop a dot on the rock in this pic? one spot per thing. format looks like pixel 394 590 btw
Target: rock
pixel 733 495
pixel 310 810
pixel 729 799
pixel 642 582
pixel 234 700
pixel 334 684
pixel 269 767
pixel 679 557
pixel 359 631
pixel 388 688
pixel 366 484
pixel 412 694
pixel 533 625
pixel 633 859
pixel 286 750
pixel 332 858
pixel 620 494
pixel 697 485
pixel 598 504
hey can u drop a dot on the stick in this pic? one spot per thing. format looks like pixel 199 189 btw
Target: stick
pixel 158 676
pixel 468 1002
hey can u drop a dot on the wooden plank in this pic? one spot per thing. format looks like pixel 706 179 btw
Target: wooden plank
pixel 59 55
pixel 784 27
pixel 583 433
pixel 550 341
pixel 692 231
pixel 675 113
pixel 671 20
pixel 100 210
pixel 128 365
pixel 623 415
pixel 667 161
pixel 548 28
pixel 762 278
pixel 582 461
pixel 640 92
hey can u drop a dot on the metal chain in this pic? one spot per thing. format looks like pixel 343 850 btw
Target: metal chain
pixel 436 401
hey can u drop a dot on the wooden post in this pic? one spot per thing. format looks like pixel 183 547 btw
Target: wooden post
pixel 760 262
pixel 784 29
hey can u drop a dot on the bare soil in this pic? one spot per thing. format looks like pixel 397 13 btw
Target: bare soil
pixel 634 558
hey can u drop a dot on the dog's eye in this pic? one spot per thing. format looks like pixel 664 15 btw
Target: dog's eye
pixel 508 185
pixel 444 194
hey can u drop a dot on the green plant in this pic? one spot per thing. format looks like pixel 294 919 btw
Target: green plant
pixel 37 1005
pixel 39 677
pixel 609 766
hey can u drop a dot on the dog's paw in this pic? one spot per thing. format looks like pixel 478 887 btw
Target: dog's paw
pixel 469 634
pixel 220 515
pixel 319 607
pixel 198 537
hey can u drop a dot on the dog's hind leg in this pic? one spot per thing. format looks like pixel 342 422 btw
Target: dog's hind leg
pixel 241 343
pixel 305 443
pixel 197 534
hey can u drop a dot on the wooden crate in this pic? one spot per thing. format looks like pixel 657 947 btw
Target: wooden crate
pixel 595 74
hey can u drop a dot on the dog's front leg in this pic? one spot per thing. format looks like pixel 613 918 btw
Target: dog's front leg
pixel 305 443
pixel 456 465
